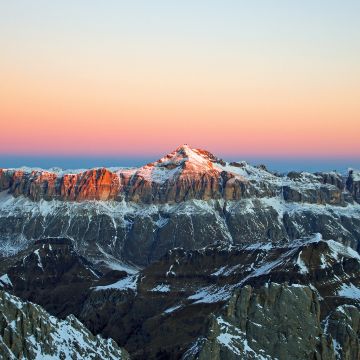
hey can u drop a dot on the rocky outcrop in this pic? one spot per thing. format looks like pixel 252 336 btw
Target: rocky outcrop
pixel 177 295
pixel 343 325
pixel 353 184
pixel 52 274
pixel 6 179
pixel 29 332
pixel 96 184
pixel 278 321
pixel 332 178
pixel 320 195
pixel 273 321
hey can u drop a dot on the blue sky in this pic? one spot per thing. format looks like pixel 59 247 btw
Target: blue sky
pixel 127 79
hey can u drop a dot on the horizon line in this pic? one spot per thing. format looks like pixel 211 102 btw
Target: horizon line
pixel 145 154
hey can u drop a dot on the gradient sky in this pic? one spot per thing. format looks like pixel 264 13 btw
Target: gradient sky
pixel 270 78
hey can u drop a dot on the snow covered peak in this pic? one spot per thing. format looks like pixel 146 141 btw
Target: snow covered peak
pixel 184 158
pixel 185 153
pixel 184 161
pixel 183 148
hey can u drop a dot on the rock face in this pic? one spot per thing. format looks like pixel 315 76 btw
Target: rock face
pixel 141 234
pixel 29 332
pixel 182 175
pixel 343 324
pixel 96 184
pixel 282 322
pixel 353 184
pixel 332 178
pixel 273 321
pixel 52 274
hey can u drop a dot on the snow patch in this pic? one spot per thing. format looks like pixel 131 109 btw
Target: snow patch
pixel 163 288
pixel 349 291
pixel 301 264
pixel 236 341
pixel 5 280
pixel 40 265
pixel 172 309
pixel 340 249
pixel 211 294
pixel 226 270
pixel 128 283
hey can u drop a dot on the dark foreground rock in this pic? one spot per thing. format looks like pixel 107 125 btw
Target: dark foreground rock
pixel 273 321
pixel 29 332
pixel 52 274
pixel 282 322
pixel 218 301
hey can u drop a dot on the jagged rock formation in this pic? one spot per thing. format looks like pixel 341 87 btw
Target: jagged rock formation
pixel 279 321
pixel 271 322
pixel 52 274
pixel 343 325
pixel 95 184
pixel 353 184
pixel 182 293
pixel 29 332
pixel 172 306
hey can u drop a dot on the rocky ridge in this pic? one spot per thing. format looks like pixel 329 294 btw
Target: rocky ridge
pixel 51 274
pixel 182 175
pixel 192 303
pixel 29 332
pixel 118 232
pixel 298 288
pixel 276 321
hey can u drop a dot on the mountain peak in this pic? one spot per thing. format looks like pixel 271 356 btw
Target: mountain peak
pixel 184 161
pixel 184 148
pixel 186 154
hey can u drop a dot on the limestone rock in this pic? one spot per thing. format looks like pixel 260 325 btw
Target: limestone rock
pixel 27 331
pixel 343 325
pixel 353 184
pixel 273 321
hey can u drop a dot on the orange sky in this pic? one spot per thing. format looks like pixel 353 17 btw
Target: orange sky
pixel 163 77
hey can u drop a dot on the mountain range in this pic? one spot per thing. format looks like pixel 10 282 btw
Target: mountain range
pixel 188 257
